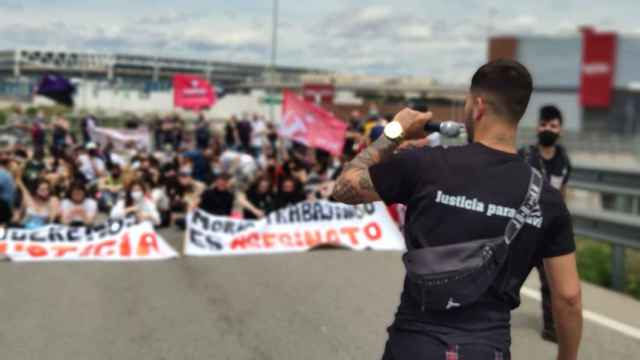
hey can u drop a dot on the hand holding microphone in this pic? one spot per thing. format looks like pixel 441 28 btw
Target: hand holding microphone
pixel 446 128
pixel 417 124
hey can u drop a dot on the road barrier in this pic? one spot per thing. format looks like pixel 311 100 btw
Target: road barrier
pixel 620 227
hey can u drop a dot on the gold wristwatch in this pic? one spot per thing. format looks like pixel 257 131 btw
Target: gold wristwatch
pixel 394 132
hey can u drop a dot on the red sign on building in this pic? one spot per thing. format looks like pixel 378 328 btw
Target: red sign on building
pixel 597 72
pixel 192 92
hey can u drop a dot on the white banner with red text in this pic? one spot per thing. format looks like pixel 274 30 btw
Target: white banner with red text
pixel 114 240
pixel 296 228
pixel 121 138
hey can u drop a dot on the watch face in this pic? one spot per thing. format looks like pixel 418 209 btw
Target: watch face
pixel 393 130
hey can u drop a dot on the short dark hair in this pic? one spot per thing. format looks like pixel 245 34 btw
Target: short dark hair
pixel 550 112
pixel 509 85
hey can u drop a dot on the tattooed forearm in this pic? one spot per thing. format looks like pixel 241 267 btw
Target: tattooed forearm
pixel 354 186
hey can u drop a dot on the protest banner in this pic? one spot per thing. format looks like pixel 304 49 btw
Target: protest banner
pixel 114 240
pixel 311 125
pixel 294 229
pixel 120 137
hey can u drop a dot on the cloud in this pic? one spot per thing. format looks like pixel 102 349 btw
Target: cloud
pixel 8 5
pixel 169 18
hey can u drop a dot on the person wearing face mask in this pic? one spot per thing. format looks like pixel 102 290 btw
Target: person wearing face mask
pixel 551 159
pixel 138 203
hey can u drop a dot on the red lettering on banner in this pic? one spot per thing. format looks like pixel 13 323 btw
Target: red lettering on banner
pixel 312 238
pixel 268 240
pixel 333 237
pixel 125 245
pixel 373 231
pixel 148 242
pixel 253 240
pixel 36 251
pixel 87 251
pixel 106 245
pixel 351 232
pixel 61 251
pixel 239 242
pixel 285 240
pixel 299 241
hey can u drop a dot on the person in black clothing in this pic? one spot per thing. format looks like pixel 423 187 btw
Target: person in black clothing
pixel 245 129
pixel 551 159
pixel 203 133
pixel 290 192
pixel 231 133
pixel 456 195
pixel 260 197
pixel 218 199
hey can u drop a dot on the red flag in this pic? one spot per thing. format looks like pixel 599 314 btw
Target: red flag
pixel 192 92
pixel 598 68
pixel 311 125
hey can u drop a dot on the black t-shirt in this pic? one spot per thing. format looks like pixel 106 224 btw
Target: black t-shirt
pixel 216 202
pixel 465 193
pixel 556 170
pixel 263 201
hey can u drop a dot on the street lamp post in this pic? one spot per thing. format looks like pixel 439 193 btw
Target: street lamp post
pixel 274 51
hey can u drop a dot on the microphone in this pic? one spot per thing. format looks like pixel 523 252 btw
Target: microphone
pixel 446 128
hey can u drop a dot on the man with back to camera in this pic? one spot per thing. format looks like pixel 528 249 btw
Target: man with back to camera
pixel 552 161
pixel 456 195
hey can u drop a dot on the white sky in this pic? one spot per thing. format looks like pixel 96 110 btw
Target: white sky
pixel 445 40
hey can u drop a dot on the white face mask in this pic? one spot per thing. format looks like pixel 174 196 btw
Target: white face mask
pixel 137 195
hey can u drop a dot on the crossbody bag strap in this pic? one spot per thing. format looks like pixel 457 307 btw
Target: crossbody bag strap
pixel 528 206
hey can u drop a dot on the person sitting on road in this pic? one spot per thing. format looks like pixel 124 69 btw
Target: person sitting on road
pixel 78 209
pixel 41 207
pixel 137 202
pixel 219 199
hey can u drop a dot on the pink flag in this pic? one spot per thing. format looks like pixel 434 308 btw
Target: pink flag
pixel 192 92
pixel 311 125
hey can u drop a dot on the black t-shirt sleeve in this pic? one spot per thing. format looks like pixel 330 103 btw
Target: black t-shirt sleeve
pixel 558 236
pixel 396 179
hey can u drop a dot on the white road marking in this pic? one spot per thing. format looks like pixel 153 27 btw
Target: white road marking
pixel 592 316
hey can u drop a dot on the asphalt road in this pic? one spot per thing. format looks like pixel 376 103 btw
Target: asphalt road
pixel 318 305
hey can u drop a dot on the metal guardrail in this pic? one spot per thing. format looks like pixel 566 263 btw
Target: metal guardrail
pixel 621 230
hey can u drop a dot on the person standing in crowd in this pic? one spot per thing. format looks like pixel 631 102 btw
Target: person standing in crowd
pixel 231 137
pixel 219 198
pixel 86 125
pixel 475 324
pixel 60 136
pixel 38 132
pixel 77 209
pixel 551 159
pixel 245 131
pixel 137 202
pixel 7 189
pixel 203 133
pixel 258 135
pixel 41 207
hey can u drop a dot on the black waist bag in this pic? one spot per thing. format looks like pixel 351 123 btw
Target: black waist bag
pixel 453 276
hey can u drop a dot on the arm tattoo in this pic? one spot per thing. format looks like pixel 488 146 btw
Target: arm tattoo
pixel 354 185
